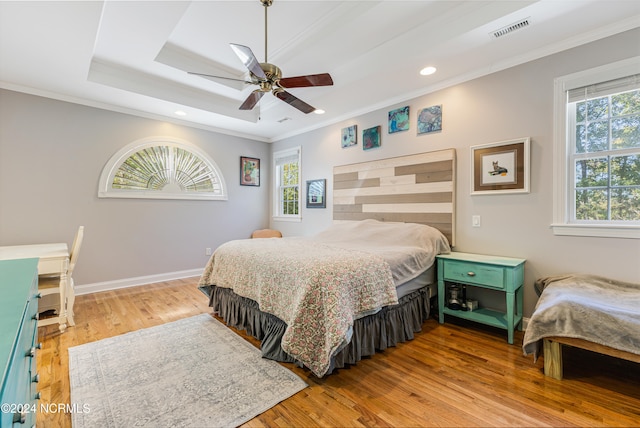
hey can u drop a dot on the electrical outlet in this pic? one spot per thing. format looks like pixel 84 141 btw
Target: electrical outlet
pixel 475 221
pixel 207 251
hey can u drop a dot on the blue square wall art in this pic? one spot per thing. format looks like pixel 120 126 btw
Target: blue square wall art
pixel 430 120
pixel 349 136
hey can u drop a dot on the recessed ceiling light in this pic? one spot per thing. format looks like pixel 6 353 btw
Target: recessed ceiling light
pixel 180 113
pixel 318 111
pixel 427 71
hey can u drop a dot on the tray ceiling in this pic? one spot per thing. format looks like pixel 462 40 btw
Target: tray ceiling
pixel 133 56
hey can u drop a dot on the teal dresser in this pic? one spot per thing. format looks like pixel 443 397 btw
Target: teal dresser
pixel 502 274
pixel 18 337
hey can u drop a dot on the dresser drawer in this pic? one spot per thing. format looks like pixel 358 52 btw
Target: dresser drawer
pixel 18 337
pixel 17 389
pixel 475 273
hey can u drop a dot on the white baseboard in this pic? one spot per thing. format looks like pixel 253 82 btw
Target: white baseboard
pixel 133 282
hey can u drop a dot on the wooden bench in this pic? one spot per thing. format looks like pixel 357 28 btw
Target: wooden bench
pixel 552 348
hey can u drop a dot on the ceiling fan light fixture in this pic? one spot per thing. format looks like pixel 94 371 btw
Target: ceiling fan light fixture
pixel 428 71
pixel 269 77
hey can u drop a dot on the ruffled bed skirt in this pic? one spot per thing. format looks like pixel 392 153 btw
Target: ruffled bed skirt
pixel 388 327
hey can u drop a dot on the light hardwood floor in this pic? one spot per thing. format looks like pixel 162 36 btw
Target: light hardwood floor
pixel 455 374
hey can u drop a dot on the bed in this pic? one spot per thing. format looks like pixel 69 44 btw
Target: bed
pixel 585 311
pixel 364 284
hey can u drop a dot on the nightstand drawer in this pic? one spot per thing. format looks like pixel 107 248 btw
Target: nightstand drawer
pixel 474 273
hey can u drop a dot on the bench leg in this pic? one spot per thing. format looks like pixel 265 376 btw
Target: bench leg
pixel 552 359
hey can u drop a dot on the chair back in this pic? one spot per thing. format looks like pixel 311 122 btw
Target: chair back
pixel 266 233
pixel 75 250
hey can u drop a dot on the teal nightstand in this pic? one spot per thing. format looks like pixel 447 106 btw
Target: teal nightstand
pixel 504 274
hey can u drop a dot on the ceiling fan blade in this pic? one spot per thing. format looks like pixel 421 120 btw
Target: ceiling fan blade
pixel 293 101
pixel 249 60
pixel 305 81
pixel 220 77
pixel 252 100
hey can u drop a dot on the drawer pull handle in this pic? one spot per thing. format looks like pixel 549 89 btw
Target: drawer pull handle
pixel 31 353
pixel 38 396
pixel 39 296
pixel 471 273
pixel 36 317
pixel 36 378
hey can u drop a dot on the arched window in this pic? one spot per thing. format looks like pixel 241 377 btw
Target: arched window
pixel 162 168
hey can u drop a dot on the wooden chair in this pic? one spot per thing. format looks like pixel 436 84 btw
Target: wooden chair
pixel 50 285
pixel 266 233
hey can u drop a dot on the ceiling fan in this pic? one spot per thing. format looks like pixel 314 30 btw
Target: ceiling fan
pixel 269 77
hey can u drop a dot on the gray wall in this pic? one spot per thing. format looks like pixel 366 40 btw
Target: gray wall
pixel 51 156
pixel 517 102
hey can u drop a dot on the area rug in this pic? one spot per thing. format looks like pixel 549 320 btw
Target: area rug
pixel 193 372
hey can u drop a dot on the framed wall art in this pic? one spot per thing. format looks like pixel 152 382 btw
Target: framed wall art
pixel 399 120
pixel 430 120
pixel 501 167
pixel 371 138
pixel 349 136
pixel 249 171
pixel 316 193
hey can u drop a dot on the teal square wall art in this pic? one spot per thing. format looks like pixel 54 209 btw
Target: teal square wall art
pixel 371 138
pixel 399 120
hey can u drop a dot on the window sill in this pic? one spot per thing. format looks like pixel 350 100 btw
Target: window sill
pixel 292 218
pixel 609 231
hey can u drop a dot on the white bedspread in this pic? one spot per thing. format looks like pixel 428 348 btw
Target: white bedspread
pixel 408 248
pixel 587 307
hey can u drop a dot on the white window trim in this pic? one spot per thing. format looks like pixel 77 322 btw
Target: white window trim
pixel 105 189
pixel 561 172
pixel 275 197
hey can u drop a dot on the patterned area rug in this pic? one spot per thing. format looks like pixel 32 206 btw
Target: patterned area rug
pixel 189 373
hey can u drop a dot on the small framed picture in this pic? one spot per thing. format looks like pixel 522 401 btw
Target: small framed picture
pixel 371 138
pixel 316 193
pixel 501 167
pixel 349 136
pixel 249 171
pixel 430 120
pixel 399 120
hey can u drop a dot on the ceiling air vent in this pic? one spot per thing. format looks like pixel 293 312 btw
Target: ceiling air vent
pixel 510 28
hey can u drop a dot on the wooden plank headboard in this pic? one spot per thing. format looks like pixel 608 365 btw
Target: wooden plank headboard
pixel 413 189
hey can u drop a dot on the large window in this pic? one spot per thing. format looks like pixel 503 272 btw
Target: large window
pixel 598 152
pixel 287 184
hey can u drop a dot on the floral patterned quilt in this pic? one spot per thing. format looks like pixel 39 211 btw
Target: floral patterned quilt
pixel 319 285
pixel 316 288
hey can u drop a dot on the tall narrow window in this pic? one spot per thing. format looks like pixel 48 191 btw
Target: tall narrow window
pixel 162 168
pixel 602 154
pixel 287 184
